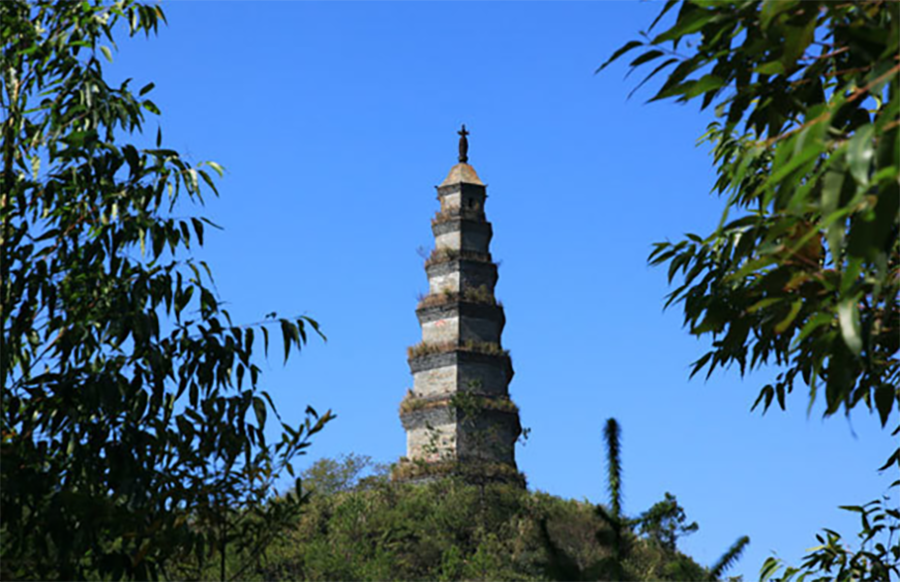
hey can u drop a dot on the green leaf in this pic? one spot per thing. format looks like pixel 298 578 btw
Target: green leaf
pixel 767 393
pixel 779 393
pixel 621 51
pixel 698 365
pixel 764 303
pixel 860 153
pixel 885 397
pixel 770 567
pixel 848 315
pixel 218 168
pixel 287 334
pixel 150 106
pixel 812 324
pixel 646 57
pixel 652 74
pixel 772 8
pixel 789 319
pixel 771 68
pixel 692 88
pixel 894 459
pixel 886 211
pixel 668 6
pixel 796 41
pixel 198 229
pixel 832 185
pixel 690 23
pixel 259 408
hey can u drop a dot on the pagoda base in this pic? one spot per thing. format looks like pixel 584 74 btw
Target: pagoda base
pixel 470 471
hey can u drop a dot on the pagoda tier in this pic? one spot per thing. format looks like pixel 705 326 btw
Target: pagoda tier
pixel 458 416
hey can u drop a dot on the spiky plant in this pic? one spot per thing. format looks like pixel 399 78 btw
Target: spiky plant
pixel 729 558
pixel 616 537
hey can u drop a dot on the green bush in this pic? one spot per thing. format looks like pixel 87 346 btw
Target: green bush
pixel 448 530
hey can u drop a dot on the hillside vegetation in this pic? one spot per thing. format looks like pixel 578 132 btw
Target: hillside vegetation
pixel 373 529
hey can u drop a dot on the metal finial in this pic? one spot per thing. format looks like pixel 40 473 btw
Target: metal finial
pixel 463 145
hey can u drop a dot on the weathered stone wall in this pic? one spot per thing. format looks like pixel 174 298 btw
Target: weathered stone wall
pixel 450 201
pixel 484 374
pixel 463 329
pixel 437 443
pixel 443 280
pixel 447 433
pixel 479 330
pixel 440 415
pixel 457 274
pixel 489 435
pixel 467 235
pixel 441 331
pixel 431 433
pixel 467 196
pixel 436 381
pixel 447 373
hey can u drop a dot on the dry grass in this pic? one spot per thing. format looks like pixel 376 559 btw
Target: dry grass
pixel 457 213
pixel 446 255
pixel 481 295
pixel 428 348
pixel 411 403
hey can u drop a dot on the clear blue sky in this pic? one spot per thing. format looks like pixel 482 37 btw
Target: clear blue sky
pixel 335 121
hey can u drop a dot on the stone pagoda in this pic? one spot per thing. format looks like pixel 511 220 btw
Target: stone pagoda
pixel 458 416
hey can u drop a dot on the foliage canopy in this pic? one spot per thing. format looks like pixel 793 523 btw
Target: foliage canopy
pixel 803 270
pixel 446 529
pixel 133 425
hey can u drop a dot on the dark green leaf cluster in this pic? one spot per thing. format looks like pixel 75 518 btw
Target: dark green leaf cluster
pixel 876 559
pixel 133 427
pixel 803 268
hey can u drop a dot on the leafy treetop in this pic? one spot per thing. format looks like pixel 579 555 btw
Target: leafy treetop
pixel 133 425
pixel 802 271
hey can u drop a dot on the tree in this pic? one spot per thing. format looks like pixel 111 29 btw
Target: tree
pixel 329 476
pixel 804 268
pixel 133 423
pixel 664 523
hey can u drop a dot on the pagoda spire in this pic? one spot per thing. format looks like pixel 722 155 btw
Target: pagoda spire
pixel 458 416
pixel 463 145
